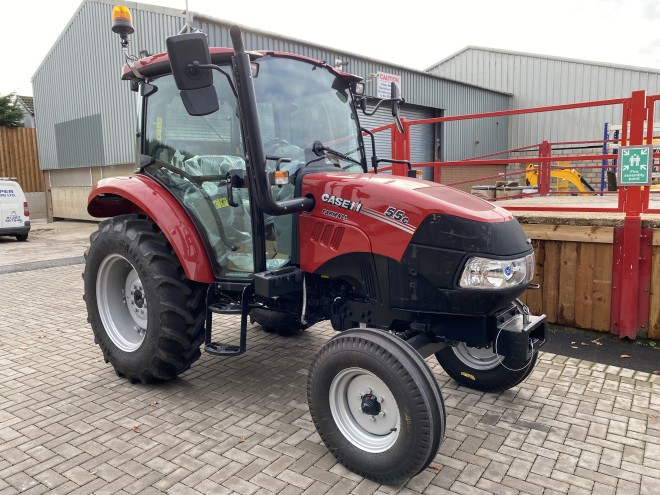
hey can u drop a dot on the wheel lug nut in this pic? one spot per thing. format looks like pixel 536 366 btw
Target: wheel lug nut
pixel 359 395
pixel 373 419
pixel 382 414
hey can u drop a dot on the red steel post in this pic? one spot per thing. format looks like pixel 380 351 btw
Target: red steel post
pixel 437 174
pixel 629 301
pixel 644 296
pixel 629 266
pixel 400 148
pixel 544 169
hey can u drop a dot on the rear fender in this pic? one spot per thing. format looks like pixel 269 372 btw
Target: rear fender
pixel 141 194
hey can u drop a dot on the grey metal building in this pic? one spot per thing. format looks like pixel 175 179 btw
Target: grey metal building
pixel 539 80
pixel 87 114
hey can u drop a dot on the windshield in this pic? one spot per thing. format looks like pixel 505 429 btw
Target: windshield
pixel 299 104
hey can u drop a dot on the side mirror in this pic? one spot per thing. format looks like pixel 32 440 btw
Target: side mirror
pixel 189 54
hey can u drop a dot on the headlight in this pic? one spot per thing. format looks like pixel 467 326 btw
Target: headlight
pixel 487 273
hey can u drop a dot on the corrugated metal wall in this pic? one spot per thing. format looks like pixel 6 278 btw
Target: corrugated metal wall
pixel 463 139
pixel 80 78
pixel 536 80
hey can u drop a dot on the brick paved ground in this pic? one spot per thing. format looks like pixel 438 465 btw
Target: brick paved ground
pixel 69 425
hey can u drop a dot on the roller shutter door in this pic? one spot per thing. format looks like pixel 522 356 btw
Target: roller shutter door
pixel 422 138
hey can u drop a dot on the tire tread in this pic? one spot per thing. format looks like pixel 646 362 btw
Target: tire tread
pixel 180 299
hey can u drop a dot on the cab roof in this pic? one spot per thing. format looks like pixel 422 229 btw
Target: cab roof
pixel 159 64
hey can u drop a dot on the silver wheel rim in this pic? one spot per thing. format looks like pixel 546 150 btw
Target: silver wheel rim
pixel 478 358
pixel 122 302
pixel 371 433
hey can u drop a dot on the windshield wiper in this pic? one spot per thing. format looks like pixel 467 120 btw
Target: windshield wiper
pixel 320 150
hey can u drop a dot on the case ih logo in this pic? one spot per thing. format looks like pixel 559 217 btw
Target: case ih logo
pixel 342 203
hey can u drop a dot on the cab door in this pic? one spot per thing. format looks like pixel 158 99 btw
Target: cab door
pixel 194 155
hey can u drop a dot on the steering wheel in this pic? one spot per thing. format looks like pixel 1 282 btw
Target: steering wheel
pixel 275 143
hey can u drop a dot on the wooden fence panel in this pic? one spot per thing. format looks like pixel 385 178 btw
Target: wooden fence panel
pixel 576 283
pixel 533 298
pixel 584 284
pixel 567 276
pixel 19 158
pixel 551 280
pixel 602 287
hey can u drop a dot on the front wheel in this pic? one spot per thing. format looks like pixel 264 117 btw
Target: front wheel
pixel 480 368
pixel 376 405
pixel 147 317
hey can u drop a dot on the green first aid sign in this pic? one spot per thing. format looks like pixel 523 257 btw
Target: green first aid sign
pixel 635 165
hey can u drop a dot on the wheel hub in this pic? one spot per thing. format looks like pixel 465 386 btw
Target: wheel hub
pixel 370 405
pixel 364 409
pixel 138 299
pixel 479 358
pixel 122 302
pixel 135 300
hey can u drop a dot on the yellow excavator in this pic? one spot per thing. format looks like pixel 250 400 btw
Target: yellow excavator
pixel 562 176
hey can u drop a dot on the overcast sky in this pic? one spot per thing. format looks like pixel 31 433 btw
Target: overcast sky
pixel 412 33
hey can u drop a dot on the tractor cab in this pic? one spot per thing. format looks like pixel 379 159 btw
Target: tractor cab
pixel 304 110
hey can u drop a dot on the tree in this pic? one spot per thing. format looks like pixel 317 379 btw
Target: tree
pixel 10 114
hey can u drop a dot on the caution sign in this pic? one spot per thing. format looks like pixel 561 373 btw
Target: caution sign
pixel 384 87
pixel 635 165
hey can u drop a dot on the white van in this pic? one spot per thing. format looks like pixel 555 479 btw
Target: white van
pixel 14 212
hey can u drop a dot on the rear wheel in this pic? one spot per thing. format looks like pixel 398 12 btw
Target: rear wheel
pixel 376 405
pixel 147 317
pixel 21 237
pixel 482 369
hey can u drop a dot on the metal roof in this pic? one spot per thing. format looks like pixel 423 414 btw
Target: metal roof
pixel 544 57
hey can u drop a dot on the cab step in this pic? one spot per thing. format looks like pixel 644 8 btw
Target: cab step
pixel 220 349
pixel 227 308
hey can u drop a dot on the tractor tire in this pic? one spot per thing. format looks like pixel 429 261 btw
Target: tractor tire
pixel 482 369
pixel 376 405
pixel 146 315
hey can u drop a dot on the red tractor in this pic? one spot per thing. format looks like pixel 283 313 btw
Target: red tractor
pixel 253 197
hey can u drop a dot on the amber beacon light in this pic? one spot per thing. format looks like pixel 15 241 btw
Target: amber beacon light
pixel 122 21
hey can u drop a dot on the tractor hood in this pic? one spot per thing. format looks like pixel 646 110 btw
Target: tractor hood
pixel 394 211
pixel 424 233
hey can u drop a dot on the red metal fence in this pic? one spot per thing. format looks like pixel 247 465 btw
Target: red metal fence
pixel 632 265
